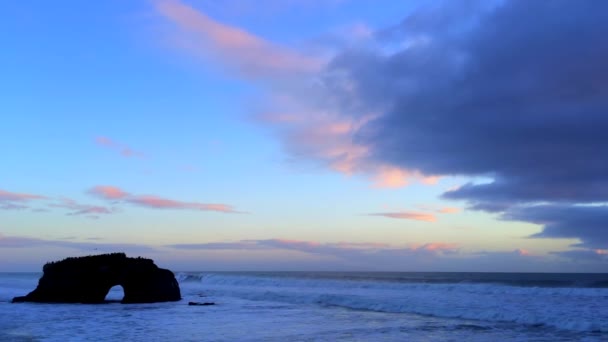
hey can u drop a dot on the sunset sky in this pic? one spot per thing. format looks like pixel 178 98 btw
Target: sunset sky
pixel 306 134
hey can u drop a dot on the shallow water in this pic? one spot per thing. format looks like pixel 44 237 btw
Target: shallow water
pixel 325 307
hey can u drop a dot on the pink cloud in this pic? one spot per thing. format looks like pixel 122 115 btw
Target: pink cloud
pixel 522 252
pixel 14 200
pixel 439 210
pixel 109 192
pixel 156 202
pixel 449 210
pixel 438 246
pixel 236 48
pixel 6 196
pixel 122 149
pixel 329 137
pixel 391 178
pixel 394 177
pixel 305 104
pixel 409 215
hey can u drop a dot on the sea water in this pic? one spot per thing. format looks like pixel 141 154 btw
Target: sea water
pixel 327 306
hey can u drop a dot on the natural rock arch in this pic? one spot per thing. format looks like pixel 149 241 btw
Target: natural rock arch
pixel 89 279
pixel 116 294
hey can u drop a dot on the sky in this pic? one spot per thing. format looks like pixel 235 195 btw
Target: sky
pixel 348 135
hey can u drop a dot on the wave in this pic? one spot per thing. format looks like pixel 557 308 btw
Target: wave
pixel 566 308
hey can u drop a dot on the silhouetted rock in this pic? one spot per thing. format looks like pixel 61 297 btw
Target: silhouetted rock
pixel 89 279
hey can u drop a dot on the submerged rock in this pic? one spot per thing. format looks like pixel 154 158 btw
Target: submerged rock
pixel 89 279
pixel 201 304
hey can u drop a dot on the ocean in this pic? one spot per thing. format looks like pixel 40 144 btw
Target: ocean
pixel 327 306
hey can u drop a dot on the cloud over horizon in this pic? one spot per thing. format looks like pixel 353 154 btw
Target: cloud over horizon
pixel 435 256
pixel 8 241
pixel 363 253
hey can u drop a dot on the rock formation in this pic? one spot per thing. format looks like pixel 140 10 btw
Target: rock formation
pixel 200 304
pixel 89 279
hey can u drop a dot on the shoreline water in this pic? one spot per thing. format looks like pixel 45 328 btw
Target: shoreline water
pixel 333 306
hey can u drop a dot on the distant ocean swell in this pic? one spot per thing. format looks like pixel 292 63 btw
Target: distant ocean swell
pixel 572 308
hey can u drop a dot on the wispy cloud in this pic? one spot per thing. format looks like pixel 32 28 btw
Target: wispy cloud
pixel 448 210
pixel 7 196
pixel 340 255
pixel 427 213
pixel 340 249
pixel 238 49
pixel 584 254
pixel 394 177
pixel 114 193
pixel 438 209
pixel 156 202
pixel 122 149
pixel 109 192
pixel 438 246
pixel 408 215
pixel 305 102
pixel 17 201
pixel 318 131
pixel 20 201
pixel 7 241
pixel 13 206
pixel 433 256
pixel 74 208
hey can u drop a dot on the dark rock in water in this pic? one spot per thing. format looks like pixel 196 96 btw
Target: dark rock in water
pixel 89 279
pixel 201 304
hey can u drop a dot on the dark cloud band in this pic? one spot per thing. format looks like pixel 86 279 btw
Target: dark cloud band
pixel 517 92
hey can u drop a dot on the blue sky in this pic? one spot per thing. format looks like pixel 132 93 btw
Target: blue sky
pixel 303 135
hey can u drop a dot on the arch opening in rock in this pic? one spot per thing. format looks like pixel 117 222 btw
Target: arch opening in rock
pixel 115 294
